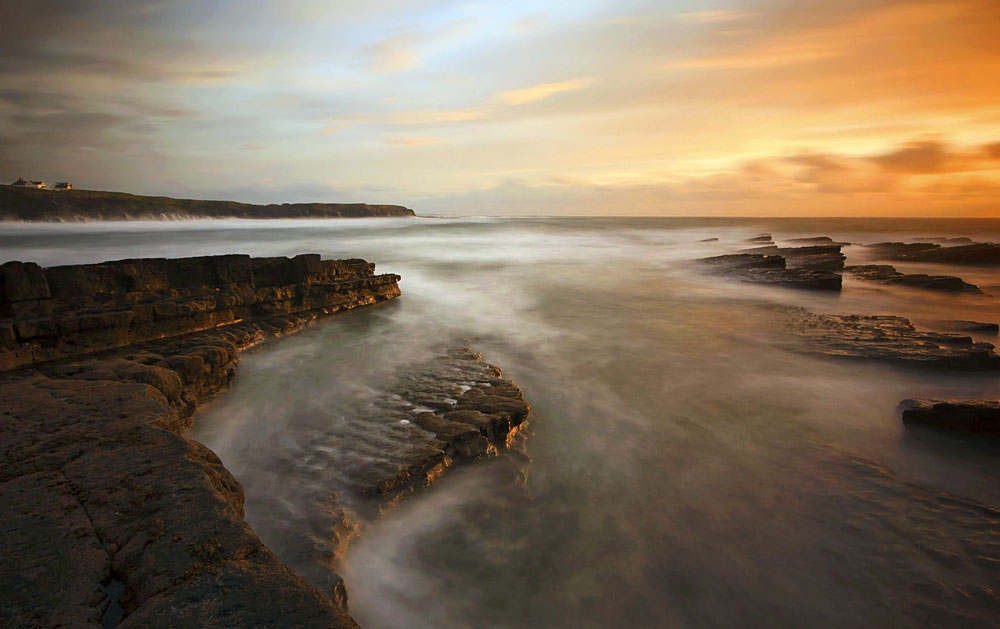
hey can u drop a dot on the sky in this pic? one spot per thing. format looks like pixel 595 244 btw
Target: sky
pixel 590 107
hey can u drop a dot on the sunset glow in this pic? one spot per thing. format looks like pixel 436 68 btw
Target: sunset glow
pixel 856 108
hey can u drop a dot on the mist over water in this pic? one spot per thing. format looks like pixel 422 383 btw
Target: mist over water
pixel 686 470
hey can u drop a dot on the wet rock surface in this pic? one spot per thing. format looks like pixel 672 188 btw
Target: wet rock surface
pixel 65 311
pixel 810 268
pixel 97 484
pixel 346 469
pixel 961 325
pixel 978 254
pixel 887 339
pixel 887 274
pixel 975 416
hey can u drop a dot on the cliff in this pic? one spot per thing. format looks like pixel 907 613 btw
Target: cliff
pixel 28 204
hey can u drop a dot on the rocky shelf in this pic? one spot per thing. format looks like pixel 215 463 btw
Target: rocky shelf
pixel 887 274
pixel 810 268
pixel 885 338
pixel 110 512
pixel 977 254
pixel 975 416
pixel 18 203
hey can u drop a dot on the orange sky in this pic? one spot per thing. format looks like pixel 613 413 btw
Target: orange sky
pixel 627 107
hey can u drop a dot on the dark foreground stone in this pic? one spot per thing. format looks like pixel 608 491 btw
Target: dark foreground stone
pixel 886 339
pixel 887 274
pixel 97 485
pixel 977 416
pixel 348 468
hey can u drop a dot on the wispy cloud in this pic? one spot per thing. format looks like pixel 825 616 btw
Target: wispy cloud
pixel 543 91
pixel 709 17
pixel 413 141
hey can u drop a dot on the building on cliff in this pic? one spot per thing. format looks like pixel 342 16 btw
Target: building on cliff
pixel 62 185
pixel 21 181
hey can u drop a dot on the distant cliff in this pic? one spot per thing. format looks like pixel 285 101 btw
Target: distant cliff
pixel 27 204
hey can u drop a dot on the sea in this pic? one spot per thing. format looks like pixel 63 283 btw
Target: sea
pixel 688 467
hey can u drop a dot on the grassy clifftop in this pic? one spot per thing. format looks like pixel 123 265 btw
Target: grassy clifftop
pixel 28 204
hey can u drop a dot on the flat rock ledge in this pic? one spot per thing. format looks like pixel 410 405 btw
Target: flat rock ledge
pixel 108 510
pixel 887 274
pixel 973 416
pixel 808 268
pixel 887 339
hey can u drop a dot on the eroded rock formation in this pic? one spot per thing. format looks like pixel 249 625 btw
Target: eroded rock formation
pixel 887 339
pixel 97 485
pixel 977 416
pixel 887 274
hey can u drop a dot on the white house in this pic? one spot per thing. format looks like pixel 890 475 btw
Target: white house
pixel 21 181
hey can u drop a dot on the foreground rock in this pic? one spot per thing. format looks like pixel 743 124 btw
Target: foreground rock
pixel 770 269
pixel 98 486
pixel 977 416
pixel 65 311
pixel 815 257
pixel 886 339
pixel 888 274
pixel 18 203
pixel 350 464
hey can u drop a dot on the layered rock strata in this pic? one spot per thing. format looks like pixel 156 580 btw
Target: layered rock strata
pixel 348 465
pixel 978 254
pixel 962 325
pixel 109 511
pixel 887 339
pixel 976 416
pixel 887 274
pixel 770 268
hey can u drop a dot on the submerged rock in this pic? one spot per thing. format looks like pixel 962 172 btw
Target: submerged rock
pixel 978 416
pixel 886 339
pixel 760 238
pixel 819 240
pixel 887 274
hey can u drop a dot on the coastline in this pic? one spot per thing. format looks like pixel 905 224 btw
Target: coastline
pixel 143 520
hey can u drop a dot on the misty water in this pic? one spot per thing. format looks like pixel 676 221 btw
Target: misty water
pixel 688 469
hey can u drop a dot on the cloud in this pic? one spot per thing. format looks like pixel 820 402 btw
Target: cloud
pixel 394 54
pixel 709 17
pixel 916 157
pixel 413 141
pixel 992 150
pixel 543 91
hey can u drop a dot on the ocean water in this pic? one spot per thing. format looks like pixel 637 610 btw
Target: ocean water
pixel 688 469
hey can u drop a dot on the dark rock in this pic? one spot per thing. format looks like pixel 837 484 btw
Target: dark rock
pixel 958 325
pixel 68 311
pixel 947 241
pixel 886 339
pixel 709 240
pixel 760 268
pixel 760 238
pixel 97 481
pixel 888 274
pixel 982 254
pixel 977 416
pixel 819 240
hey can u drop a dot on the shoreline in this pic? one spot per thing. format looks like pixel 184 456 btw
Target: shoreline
pixel 143 520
